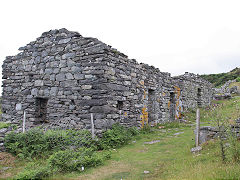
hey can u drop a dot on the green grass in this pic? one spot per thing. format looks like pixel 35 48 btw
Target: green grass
pixel 171 157
pixel 224 109
pixel 4 125
pixel 221 78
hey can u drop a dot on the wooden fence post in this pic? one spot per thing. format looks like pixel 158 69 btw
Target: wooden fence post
pixel 92 123
pixel 197 127
pixel 24 120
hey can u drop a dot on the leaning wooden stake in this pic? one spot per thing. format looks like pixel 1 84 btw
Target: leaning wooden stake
pixel 24 120
pixel 93 135
pixel 197 126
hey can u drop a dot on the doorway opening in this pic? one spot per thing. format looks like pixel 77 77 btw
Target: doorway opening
pixel 172 106
pixel 199 97
pixel 151 105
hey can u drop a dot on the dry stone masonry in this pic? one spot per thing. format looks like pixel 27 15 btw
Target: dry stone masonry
pixel 225 91
pixel 209 132
pixel 62 77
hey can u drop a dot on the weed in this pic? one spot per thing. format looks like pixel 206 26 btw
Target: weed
pixel 36 142
pixel 116 137
pixel 4 125
pixel 238 79
pixel 70 160
pixel 234 145
pixel 34 171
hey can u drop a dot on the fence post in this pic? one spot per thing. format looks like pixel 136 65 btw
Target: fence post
pixel 93 134
pixel 197 126
pixel 24 120
pixel 120 114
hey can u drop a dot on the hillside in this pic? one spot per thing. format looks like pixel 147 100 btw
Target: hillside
pixel 220 79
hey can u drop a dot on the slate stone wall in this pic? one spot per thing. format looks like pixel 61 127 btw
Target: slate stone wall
pixel 62 77
pixel 195 91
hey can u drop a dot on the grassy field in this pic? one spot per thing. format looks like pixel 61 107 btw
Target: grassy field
pixel 168 158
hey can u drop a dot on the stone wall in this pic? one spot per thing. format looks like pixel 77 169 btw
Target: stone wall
pixel 209 132
pixel 195 91
pixel 224 89
pixel 62 77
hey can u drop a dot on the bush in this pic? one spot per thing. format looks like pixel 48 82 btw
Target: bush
pixel 70 160
pixel 146 129
pixel 133 131
pixel 68 150
pixel 64 161
pixel 27 144
pixel 80 138
pixel 33 171
pixel 238 79
pixel 4 125
pixel 55 140
pixel 116 137
pixel 35 142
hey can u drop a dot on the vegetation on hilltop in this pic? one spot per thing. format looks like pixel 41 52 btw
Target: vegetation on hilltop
pixel 220 79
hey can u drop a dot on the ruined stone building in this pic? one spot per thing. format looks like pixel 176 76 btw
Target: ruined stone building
pixel 62 77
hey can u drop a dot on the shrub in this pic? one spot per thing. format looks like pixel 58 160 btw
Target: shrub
pixel 28 144
pixel 133 131
pixel 55 140
pixel 68 150
pixel 70 160
pixel 238 79
pixel 80 138
pixel 33 171
pixel 64 161
pixel 116 137
pixel 4 125
pixel 146 129
pixel 35 142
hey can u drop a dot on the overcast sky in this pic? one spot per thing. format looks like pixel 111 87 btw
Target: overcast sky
pixel 199 36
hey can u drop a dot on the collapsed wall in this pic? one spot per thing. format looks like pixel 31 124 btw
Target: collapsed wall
pixel 62 77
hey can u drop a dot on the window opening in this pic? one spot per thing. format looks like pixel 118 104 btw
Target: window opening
pixel 72 102
pixel 41 110
pixel 120 105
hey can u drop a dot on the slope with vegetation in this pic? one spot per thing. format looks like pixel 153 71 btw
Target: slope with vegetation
pixel 221 78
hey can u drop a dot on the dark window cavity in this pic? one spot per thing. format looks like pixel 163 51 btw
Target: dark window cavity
pixel 41 110
pixel 120 105
pixel 199 97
